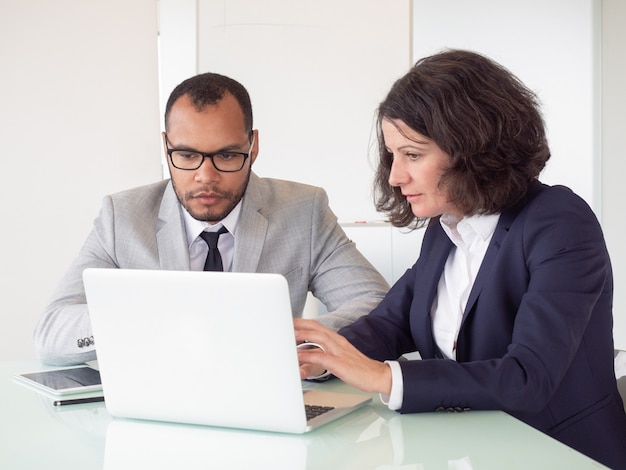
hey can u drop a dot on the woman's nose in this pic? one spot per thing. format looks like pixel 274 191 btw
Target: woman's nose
pixel 397 174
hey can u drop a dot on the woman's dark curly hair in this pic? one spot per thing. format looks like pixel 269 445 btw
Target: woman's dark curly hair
pixel 482 116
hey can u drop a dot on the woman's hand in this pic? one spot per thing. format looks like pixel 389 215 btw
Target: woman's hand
pixel 340 358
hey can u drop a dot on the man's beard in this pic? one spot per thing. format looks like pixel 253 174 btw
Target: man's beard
pixel 209 214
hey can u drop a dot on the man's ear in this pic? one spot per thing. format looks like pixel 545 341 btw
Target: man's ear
pixel 167 160
pixel 163 141
pixel 255 148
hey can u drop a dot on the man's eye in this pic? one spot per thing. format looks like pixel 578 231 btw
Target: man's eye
pixel 188 155
pixel 226 156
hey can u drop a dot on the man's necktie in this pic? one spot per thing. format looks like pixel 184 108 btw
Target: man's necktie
pixel 213 259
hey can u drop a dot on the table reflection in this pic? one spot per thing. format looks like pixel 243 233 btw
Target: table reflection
pixel 362 440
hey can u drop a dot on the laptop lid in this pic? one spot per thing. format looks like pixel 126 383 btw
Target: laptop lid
pixel 207 348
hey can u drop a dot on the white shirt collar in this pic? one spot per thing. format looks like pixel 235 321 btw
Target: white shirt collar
pixel 194 227
pixel 483 225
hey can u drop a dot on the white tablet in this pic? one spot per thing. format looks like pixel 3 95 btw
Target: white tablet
pixel 67 380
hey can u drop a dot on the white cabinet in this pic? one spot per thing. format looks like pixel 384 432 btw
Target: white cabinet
pixel 390 249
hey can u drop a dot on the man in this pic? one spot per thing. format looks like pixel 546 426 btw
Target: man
pixel 270 225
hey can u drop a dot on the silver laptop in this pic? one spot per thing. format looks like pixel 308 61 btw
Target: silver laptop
pixel 203 348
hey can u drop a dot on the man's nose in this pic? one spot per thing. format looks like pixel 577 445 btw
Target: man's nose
pixel 207 172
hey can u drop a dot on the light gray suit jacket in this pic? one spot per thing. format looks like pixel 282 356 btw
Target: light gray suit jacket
pixel 284 227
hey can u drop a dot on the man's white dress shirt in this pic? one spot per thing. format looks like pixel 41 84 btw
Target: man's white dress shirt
pixel 198 249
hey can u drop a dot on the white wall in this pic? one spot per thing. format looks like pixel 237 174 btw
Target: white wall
pixel 613 126
pixel 392 250
pixel 78 119
pixel 178 52
pixel 316 72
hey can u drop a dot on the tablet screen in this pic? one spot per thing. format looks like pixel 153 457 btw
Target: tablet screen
pixel 75 379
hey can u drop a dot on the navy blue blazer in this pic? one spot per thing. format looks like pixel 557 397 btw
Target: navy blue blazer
pixel 536 337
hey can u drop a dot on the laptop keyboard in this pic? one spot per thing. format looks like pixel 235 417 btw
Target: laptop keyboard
pixel 315 410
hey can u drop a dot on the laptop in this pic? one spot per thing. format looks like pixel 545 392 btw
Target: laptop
pixel 206 348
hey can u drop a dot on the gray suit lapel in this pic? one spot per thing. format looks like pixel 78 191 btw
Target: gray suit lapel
pixel 251 229
pixel 172 246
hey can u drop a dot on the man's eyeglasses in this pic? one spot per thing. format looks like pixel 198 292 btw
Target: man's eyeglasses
pixel 227 162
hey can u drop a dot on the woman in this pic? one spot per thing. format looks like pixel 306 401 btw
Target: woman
pixel 509 303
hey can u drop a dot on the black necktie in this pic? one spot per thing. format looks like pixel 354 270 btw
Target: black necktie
pixel 213 258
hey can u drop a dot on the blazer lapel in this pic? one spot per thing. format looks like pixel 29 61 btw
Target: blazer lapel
pixel 433 256
pixel 251 229
pixel 507 218
pixel 173 251
pixel 504 224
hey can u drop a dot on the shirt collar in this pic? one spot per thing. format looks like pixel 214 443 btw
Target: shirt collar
pixel 483 225
pixel 194 227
